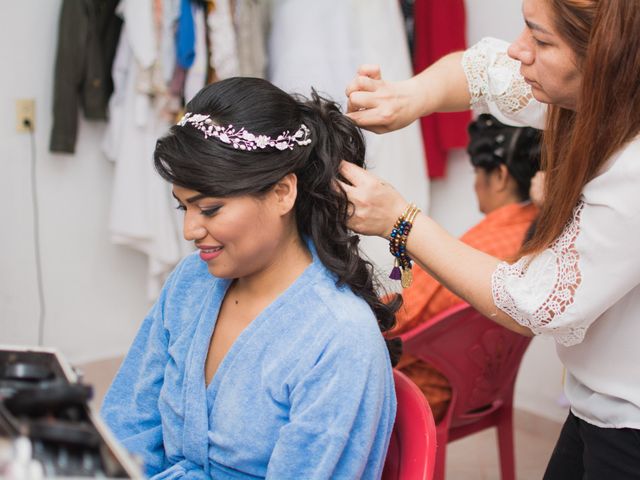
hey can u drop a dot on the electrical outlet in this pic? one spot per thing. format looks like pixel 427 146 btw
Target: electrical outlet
pixel 25 114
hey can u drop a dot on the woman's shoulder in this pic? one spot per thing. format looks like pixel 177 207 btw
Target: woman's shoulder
pixel 627 158
pixel 619 177
pixel 339 311
pixel 333 326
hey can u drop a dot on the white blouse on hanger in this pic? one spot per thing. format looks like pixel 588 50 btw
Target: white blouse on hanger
pixel 320 44
pixel 584 289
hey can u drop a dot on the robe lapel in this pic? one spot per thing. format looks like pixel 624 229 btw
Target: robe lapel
pixel 196 417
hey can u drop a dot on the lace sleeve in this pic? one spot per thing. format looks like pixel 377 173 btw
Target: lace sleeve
pixel 496 86
pixel 535 292
pixel 592 270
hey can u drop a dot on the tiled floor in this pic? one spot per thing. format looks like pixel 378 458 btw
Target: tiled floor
pixel 472 458
pixel 476 457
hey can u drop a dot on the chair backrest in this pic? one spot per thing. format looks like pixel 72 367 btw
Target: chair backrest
pixel 479 358
pixel 412 449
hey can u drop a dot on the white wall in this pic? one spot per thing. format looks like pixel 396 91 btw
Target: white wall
pixel 95 291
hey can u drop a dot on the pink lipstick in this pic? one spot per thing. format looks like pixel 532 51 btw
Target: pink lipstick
pixel 209 253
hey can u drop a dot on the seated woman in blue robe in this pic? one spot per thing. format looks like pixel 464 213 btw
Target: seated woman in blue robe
pixel 263 356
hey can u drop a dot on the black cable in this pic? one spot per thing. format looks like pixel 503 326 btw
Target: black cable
pixel 36 233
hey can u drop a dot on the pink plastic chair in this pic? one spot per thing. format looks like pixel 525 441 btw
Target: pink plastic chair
pixel 412 449
pixel 480 359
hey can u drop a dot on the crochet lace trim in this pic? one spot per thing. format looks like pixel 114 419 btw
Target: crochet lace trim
pixel 567 280
pixel 508 90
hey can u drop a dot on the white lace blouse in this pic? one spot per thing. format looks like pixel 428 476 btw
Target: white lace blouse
pixel 585 289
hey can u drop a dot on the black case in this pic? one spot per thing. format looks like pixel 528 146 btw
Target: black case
pixel 42 398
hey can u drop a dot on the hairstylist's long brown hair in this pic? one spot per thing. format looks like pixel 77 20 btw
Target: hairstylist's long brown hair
pixel 605 37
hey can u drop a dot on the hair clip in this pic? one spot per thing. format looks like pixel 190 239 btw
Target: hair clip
pixel 242 139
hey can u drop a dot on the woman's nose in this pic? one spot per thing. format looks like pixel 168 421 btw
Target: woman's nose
pixel 522 49
pixel 192 230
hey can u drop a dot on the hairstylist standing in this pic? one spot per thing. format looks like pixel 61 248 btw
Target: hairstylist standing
pixel 574 70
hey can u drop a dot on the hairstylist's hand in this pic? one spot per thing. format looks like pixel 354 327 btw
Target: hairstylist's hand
pixel 377 205
pixel 378 105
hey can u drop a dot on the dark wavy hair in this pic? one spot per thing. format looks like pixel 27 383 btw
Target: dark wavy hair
pixel 492 144
pixel 185 158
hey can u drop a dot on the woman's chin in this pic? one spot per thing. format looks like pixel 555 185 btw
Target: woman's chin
pixel 539 95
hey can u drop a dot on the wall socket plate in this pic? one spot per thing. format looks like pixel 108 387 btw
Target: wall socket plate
pixel 25 112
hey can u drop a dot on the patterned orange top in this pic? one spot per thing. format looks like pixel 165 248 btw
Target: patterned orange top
pixel 500 234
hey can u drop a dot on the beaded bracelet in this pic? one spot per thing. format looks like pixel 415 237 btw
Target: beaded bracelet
pixel 398 246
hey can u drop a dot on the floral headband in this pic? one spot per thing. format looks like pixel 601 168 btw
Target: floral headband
pixel 242 139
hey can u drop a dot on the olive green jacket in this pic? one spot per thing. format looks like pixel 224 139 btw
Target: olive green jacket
pixel 87 40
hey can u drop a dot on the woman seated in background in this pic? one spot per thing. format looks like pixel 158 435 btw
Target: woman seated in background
pixel 263 356
pixel 504 159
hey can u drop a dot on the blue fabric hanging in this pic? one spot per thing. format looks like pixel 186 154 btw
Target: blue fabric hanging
pixel 185 36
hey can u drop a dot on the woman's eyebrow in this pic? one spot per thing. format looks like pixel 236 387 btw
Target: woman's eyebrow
pixel 195 198
pixel 535 26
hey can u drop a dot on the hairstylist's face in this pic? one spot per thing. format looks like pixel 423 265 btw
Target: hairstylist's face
pixel 548 64
pixel 238 236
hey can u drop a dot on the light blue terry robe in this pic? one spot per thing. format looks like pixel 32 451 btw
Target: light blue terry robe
pixel 305 392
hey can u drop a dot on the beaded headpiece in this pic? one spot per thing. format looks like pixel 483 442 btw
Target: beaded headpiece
pixel 242 139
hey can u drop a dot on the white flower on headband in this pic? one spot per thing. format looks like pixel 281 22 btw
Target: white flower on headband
pixel 242 139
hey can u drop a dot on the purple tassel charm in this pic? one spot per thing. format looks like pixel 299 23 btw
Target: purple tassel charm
pixel 395 273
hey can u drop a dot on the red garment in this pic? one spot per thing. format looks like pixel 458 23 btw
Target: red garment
pixel 439 30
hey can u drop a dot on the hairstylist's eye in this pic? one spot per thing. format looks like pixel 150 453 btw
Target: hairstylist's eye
pixel 540 43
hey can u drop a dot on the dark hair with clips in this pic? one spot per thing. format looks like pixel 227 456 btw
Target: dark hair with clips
pixel 493 144
pixel 185 158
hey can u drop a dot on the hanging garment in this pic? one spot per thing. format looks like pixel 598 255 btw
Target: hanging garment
pixel 321 45
pixel 142 215
pixel 196 76
pixel 88 33
pixel 222 41
pixel 185 36
pixel 251 20
pixel 439 30
pixel 305 392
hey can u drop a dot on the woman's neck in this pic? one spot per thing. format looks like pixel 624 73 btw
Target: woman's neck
pixel 292 258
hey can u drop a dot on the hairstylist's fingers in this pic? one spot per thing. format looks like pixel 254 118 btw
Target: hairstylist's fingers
pixel 352 173
pixel 341 187
pixel 362 84
pixel 360 100
pixel 367 119
pixel 367 84
pixel 370 70
pixel 351 192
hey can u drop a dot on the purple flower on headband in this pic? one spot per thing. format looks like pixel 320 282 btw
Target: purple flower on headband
pixel 241 138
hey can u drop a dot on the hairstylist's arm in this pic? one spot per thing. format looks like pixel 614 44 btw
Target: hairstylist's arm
pixel 382 106
pixel 462 269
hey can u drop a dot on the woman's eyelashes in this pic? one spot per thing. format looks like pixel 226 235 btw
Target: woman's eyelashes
pixel 206 211
pixel 210 211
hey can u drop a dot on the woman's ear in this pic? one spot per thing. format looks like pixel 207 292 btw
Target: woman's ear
pixel 285 192
pixel 501 177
